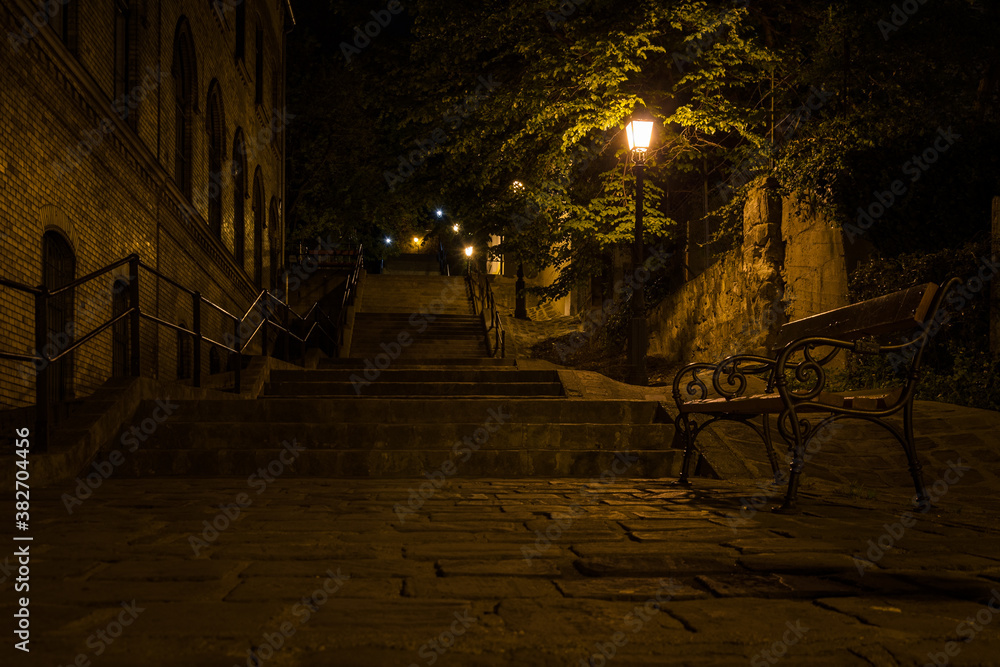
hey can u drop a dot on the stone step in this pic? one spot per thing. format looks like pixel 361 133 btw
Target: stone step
pixel 426 362
pixel 419 389
pixel 441 411
pixel 461 374
pixel 405 437
pixel 257 465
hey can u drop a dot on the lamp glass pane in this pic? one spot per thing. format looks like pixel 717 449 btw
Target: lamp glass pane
pixel 639 134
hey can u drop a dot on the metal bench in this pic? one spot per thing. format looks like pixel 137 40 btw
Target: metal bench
pixel 791 381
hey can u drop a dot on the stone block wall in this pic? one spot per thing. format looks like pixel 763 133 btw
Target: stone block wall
pixel 791 265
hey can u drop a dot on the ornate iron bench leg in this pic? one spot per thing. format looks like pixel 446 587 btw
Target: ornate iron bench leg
pixel 916 470
pixel 797 449
pixel 683 426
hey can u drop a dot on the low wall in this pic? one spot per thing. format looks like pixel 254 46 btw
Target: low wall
pixel 791 265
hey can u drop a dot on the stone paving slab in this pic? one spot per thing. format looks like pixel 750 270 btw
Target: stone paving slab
pixel 694 577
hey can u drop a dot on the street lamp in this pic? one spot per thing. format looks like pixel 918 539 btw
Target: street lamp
pixel 639 133
pixel 468 259
pixel 454 227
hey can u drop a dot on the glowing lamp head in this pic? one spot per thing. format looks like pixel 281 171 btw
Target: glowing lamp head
pixel 416 240
pixel 468 251
pixel 440 213
pixel 454 228
pixel 388 240
pixel 639 131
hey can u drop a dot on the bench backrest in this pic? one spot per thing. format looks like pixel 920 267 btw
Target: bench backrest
pixel 899 312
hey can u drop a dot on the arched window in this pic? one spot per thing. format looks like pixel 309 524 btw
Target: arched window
pixel 274 241
pixel 185 88
pixel 258 228
pixel 59 270
pixel 119 330
pixel 215 122
pixel 239 198
pixel 241 31
pixel 65 22
pixel 258 83
pixel 126 60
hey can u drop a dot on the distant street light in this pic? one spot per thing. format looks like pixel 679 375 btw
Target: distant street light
pixel 468 259
pixel 454 227
pixel 639 133
pixel 416 240
pixel 388 240
pixel 440 213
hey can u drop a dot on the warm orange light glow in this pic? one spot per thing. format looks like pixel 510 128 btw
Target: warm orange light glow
pixel 468 251
pixel 416 240
pixel 639 133
pixel 454 227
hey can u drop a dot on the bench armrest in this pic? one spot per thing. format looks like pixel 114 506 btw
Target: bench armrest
pixel 811 369
pixel 729 377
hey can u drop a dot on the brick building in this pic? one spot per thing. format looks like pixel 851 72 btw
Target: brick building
pixel 136 126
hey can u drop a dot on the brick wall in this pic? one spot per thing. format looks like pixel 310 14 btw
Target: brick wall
pixel 70 163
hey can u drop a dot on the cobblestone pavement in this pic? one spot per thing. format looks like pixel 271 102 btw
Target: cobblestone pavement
pixel 501 572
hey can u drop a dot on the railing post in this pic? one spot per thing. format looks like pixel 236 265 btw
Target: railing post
pixel 288 335
pixel 133 281
pixel 196 327
pixel 263 329
pixel 40 443
pixel 237 355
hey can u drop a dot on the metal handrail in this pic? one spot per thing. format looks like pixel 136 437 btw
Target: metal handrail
pixel 480 302
pixel 87 278
pixel 135 315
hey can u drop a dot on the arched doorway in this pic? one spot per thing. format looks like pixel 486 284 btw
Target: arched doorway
pixel 58 270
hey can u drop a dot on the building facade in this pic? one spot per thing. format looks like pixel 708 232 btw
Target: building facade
pixel 153 127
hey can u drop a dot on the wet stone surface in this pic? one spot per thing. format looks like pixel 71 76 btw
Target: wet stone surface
pixel 501 572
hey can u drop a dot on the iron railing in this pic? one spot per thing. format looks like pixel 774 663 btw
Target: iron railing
pixel 484 304
pixel 274 315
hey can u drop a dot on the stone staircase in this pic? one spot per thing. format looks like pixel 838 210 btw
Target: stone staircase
pixel 434 406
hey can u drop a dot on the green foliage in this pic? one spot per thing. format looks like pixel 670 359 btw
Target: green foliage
pixel 957 366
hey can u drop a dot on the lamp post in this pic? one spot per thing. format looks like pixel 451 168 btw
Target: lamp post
pixel 468 260
pixel 639 132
